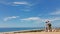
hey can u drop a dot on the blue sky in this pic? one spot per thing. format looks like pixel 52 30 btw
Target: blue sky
pixel 29 13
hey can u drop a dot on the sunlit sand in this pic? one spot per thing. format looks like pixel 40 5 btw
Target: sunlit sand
pixel 33 32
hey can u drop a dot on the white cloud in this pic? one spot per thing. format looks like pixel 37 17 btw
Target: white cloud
pixel 55 12
pixel 26 5
pixel 16 3
pixel 37 19
pixel 21 3
pixel 32 18
pixel 56 18
pixel 52 19
pixel 9 18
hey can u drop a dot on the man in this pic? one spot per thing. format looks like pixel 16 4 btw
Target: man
pixel 48 26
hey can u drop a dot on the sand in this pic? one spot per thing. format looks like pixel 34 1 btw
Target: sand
pixel 40 33
pixel 32 32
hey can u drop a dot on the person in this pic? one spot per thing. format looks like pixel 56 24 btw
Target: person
pixel 48 26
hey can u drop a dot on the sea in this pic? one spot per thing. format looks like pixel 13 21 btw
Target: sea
pixel 19 29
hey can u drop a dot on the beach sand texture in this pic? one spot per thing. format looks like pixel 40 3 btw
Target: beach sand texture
pixel 34 33
pixel 40 33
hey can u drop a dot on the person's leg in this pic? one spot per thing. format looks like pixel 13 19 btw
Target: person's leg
pixel 46 29
pixel 50 29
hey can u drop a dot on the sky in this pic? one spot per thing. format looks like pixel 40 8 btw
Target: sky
pixel 29 13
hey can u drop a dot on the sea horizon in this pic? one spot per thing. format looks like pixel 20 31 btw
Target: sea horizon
pixel 22 29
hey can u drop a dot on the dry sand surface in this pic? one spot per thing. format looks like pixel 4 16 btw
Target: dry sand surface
pixel 34 33
pixel 40 33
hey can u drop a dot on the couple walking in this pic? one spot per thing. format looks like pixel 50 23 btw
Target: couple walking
pixel 48 26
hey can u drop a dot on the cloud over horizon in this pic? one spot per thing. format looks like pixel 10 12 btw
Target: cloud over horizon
pixel 57 12
pixel 9 18
pixel 38 19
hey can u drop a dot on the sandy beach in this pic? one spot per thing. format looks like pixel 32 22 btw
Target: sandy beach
pixel 32 32
pixel 40 33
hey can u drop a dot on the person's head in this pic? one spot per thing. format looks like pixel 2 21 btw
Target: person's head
pixel 47 21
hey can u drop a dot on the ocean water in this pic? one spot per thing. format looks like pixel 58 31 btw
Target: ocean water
pixel 18 29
